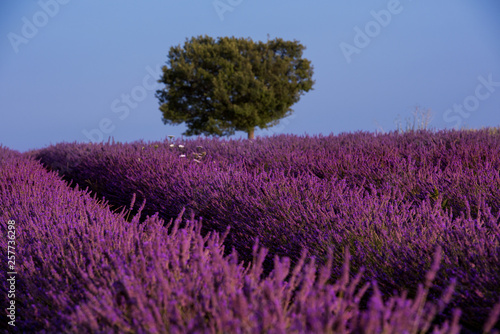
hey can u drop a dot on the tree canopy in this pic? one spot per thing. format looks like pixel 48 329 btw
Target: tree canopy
pixel 232 84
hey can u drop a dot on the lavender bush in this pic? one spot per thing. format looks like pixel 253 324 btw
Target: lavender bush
pixel 390 200
pixel 86 269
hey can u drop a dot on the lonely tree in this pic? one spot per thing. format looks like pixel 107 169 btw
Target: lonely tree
pixel 232 84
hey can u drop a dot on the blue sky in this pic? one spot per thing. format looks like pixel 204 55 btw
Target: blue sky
pixel 85 70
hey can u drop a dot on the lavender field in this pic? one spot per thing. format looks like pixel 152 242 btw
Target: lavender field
pixel 353 233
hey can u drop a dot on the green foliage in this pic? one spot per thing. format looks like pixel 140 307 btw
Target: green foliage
pixel 232 84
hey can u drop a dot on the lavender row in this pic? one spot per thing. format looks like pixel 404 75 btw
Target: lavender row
pixel 390 199
pixel 86 269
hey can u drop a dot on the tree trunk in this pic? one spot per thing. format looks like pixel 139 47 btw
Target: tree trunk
pixel 251 133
